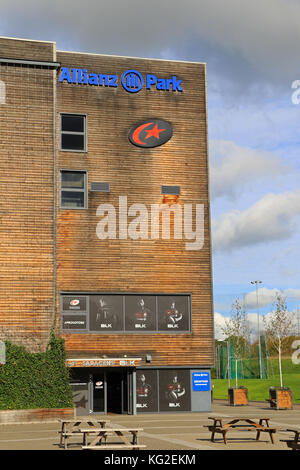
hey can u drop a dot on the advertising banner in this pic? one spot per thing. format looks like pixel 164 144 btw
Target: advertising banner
pixel 126 312
pixel 140 313
pixel 173 313
pixel 74 303
pixel 106 313
pixel 146 391
pixel 174 390
pixel 201 381
pixel 74 322
pixel 109 362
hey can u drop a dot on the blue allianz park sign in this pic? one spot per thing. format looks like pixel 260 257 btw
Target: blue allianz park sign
pixel 131 80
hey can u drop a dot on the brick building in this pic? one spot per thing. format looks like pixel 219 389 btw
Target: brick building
pixel 97 153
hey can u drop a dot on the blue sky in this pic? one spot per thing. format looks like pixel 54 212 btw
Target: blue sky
pixel 251 51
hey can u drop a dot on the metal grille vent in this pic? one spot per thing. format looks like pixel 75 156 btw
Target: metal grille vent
pixel 100 187
pixel 171 190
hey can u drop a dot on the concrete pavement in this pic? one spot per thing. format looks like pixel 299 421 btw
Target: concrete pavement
pixel 184 431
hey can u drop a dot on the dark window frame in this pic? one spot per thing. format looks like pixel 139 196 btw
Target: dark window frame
pixel 124 331
pixel 84 133
pixel 83 190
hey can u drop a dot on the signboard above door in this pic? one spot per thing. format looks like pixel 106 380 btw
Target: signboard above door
pixel 109 362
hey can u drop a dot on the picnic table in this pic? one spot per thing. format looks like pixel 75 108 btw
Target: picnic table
pixel 102 433
pixel 71 427
pixel 293 444
pixel 255 424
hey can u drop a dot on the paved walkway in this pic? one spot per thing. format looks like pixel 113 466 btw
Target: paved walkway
pixel 184 431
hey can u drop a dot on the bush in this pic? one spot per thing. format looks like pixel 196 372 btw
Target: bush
pixel 35 380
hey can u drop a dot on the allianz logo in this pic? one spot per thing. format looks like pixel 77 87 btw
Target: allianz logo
pixel 132 80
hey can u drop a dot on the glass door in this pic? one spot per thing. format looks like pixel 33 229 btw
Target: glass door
pixel 125 397
pixel 98 393
pixel 80 398
pixel 129 389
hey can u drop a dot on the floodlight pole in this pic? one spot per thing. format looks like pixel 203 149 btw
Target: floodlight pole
pixel 259 343
pixel 228 363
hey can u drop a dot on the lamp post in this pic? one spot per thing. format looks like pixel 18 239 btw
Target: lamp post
pixel 259 343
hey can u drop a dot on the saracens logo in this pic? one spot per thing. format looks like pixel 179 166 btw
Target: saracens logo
pixel 150 133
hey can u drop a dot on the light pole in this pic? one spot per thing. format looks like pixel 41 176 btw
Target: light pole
pixel 259 344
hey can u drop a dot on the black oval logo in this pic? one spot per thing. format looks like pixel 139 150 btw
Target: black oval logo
pixel 151 133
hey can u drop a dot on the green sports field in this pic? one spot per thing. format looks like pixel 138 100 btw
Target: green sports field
pixel 259 389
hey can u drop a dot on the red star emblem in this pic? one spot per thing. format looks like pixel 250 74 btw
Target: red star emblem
pixel 154 132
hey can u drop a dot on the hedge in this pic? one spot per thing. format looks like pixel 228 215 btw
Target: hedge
pixel 35 380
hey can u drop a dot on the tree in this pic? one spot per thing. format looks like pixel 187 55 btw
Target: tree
pixel 237 330
pixel 278 325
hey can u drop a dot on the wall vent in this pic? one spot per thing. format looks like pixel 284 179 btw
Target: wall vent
pixel 171 190
pixel 100 187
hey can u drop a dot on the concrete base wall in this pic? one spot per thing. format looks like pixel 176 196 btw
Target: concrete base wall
pixel 200 400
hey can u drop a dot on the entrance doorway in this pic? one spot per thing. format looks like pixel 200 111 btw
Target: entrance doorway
pixel 98 391
pixel 117 395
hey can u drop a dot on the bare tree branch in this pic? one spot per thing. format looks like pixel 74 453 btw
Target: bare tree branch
pixel 278 326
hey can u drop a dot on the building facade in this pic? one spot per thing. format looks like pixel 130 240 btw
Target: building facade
pixel 105 223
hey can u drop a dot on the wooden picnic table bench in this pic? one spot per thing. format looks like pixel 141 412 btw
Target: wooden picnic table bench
pixel 293 444
pixel 102 433
pixel 70 427
pixel 219 427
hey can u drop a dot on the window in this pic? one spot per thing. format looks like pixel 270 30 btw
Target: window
pixel 73 132
pixel 73 194
pixel 134 313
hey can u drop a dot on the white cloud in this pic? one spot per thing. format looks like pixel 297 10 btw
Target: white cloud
pixel 234 167
pixel 263 125
pixel 253 321
pixel 267 296
pixel 219 323
pixel 271 218
pixel 263 33
pixel 293 294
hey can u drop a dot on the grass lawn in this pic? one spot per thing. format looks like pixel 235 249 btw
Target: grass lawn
pixel 258 389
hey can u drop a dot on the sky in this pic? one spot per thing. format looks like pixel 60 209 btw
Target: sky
pixel 252 55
